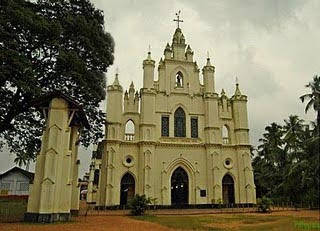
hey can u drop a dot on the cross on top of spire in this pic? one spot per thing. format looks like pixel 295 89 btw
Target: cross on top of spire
pixel 178 18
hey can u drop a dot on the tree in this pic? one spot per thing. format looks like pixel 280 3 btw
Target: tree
pixel 45 46
pixel 286 167
pixel 313 97
pixel 314 101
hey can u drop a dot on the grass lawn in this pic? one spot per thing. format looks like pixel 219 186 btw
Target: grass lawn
pixel 235 222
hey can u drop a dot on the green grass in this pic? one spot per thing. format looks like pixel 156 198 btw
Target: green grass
pixel 240 221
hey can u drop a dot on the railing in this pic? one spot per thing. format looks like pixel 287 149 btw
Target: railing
pixel 225 140
pixel 129 137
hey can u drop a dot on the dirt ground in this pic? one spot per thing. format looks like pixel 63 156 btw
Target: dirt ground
pixel 111 220
pixel 89 223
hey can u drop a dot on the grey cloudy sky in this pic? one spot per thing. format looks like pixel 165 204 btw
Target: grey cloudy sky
pixel 271 45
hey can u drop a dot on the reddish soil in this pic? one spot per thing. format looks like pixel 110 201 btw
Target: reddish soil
pixel 89 223
pixel 119 220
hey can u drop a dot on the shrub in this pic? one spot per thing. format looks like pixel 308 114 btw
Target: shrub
pixel 139 204
pixel 154 202
pixel 264 204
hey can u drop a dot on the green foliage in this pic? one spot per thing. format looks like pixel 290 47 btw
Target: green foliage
pixel 264 204
pixel 139 204
pixel 50 45
pixel 286 164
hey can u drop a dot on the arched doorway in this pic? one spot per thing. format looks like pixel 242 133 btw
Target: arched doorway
pixel 228 189
pixel 179 187
pixel 127 189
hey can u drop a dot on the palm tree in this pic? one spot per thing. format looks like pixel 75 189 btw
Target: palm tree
pixel 271 146
pixel 313 97
pixel 23 159
pixel 314 100
pixel 293 132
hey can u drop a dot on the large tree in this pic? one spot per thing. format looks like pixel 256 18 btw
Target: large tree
pixel 45 46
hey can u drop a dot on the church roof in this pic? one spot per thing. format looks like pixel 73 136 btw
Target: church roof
pixel 28 174
pixel 79 116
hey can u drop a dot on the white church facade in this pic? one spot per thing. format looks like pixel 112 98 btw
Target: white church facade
pixel 176 139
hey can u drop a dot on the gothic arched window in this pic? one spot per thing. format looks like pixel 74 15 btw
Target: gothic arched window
pixel 179 79
pixel 179 123
pixel 129 131
pixel 225 135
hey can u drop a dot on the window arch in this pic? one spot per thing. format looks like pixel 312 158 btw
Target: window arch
pixel 225 135
pixel 129 131
pixel 180 123
pixel 179 79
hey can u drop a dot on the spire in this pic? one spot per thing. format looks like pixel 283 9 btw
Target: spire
pixel 149 53
pixel 178 37
pixel 168 48
pixel 223 92
pixel 116 80
pixel 131 85
pixel 189 50
pixel 237 92
pixel 208 59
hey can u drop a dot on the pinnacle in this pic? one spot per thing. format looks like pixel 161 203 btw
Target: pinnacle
pixel 237 92
pixel 131 85
pixel 116 80
pixel 208 62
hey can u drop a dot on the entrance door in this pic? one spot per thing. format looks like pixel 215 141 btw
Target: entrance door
pixel 127 189
pixel 228 189
pixel 179 187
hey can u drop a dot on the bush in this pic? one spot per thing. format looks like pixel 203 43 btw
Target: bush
pixel 139 204
pixel 264 204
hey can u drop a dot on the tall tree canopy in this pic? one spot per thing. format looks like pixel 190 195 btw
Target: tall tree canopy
pixel 45 46
pixel 287 163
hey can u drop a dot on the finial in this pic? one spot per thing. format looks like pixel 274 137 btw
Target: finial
pixel 149 52
pixel 237 92
pixel 178 18
pixel 223 92
pixel 131 85
pixel 116 80
pixel 208 59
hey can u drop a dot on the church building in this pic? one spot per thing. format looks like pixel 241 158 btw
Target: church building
pixel 175 139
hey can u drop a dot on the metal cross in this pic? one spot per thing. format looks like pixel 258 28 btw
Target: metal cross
pixel 178 18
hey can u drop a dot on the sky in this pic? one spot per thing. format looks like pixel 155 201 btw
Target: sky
pixel 272 46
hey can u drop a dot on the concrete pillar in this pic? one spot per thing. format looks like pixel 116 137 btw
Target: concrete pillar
pixel 55 192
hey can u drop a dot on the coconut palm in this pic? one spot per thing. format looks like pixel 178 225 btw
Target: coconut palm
pixel 313 97
pixel 23 159
pixel 293 129
pixel 271 146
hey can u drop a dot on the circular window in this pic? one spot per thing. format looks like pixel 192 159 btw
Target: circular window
pixel 128 161
pixel 228 163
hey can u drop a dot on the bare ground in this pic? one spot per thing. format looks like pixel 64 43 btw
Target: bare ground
pixel 119 220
